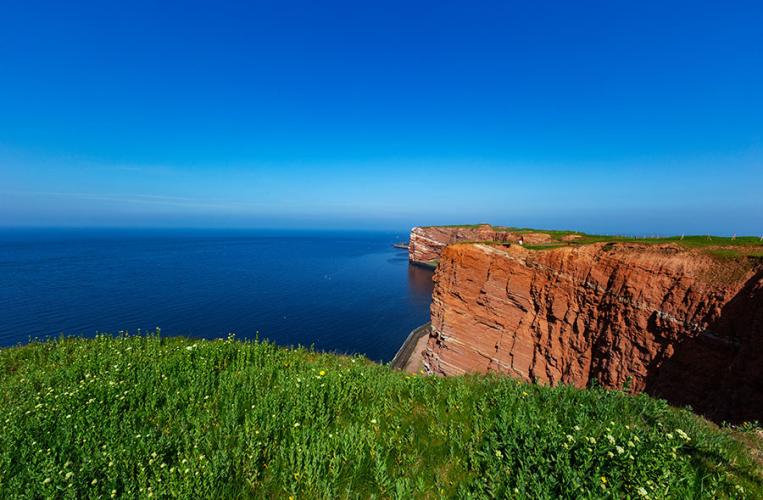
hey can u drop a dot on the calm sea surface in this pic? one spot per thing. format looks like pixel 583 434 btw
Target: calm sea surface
pixel 340 291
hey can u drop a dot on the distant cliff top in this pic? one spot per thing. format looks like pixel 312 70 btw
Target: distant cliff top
pixel 540 239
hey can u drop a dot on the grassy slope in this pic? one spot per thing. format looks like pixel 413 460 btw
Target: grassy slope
pixel 172 416
pixel 713 245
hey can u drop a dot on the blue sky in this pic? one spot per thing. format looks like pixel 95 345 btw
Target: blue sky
pixel 611 116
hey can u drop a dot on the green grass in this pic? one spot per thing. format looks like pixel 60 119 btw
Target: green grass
pixel 751 246
pixel 173 417
pixel 691 241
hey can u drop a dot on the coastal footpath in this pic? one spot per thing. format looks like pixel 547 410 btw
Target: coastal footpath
pixel 676 319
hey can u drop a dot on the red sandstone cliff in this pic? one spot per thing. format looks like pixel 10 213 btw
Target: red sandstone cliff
pixel 427 243
pixel 675 323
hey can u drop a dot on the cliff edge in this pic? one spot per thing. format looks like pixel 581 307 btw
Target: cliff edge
pixel 427 243
pixel 674 322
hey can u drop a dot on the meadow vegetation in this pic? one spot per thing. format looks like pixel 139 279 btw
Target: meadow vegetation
pixel 721 247
pixel 147 416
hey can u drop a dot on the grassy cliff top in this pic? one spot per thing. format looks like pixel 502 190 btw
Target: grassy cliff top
pixel 721 246
pixel 151 416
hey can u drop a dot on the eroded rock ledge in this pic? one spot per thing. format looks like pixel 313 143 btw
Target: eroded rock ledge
pixel 673 322
pixel 427 243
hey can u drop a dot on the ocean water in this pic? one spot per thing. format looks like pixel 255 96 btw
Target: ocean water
pixel 348 292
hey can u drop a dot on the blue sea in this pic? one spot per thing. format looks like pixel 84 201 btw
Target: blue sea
pixel 347 292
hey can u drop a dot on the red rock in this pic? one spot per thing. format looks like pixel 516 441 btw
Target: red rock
pixel 426 243
pixel 675 323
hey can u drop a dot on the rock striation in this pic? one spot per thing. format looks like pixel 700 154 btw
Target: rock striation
pixel 427 243
pixel 675 323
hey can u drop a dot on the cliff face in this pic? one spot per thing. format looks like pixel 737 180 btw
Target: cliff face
pixel 674 323
pixel 427 243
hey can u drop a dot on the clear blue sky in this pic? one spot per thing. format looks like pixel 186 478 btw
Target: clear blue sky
pixel 612 116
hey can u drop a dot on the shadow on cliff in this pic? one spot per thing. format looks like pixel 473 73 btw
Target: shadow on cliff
pixel 719 372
